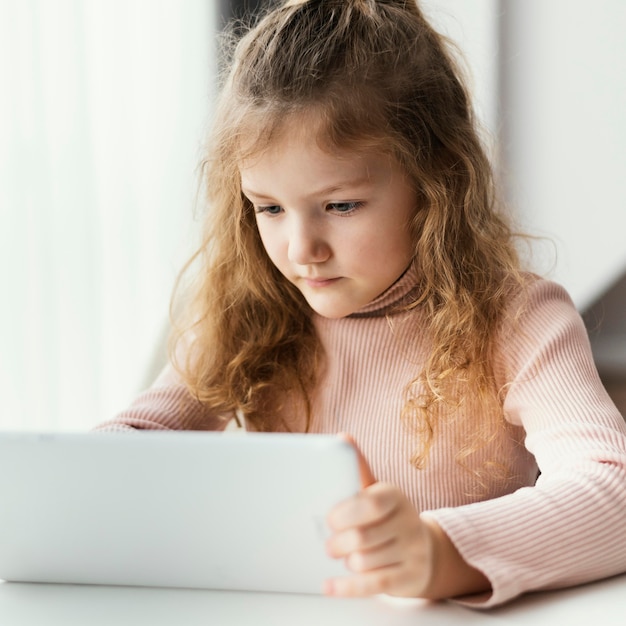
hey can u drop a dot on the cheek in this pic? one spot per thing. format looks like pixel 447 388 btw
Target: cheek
pixel 270 242
pixel 386 243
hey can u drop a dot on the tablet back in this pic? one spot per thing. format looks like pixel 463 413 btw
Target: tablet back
pixel 179 509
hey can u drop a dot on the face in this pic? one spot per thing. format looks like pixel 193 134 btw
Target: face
pixel 335 225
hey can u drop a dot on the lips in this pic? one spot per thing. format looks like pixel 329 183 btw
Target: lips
pixel 319 282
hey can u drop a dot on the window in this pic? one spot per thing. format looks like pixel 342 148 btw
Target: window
pixel 101 121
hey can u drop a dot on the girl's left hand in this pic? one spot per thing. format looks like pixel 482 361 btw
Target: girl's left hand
pixel 391 549
pixel 383 541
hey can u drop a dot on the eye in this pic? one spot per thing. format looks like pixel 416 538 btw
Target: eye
pixel 344 207
pixel 272 209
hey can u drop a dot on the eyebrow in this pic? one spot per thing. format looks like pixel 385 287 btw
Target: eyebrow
pixel 356 182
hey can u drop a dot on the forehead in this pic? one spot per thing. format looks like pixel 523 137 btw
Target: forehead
pixel 337 132
pixel 304 139
pixel 299 157
pixel 262 129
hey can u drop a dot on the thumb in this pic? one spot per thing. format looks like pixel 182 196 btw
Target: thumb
pixel 367 478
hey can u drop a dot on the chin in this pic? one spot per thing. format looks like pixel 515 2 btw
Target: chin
pixel 332 308
pixel 332 312
pixel 333 315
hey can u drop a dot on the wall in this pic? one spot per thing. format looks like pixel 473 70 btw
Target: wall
pixel 550 84
pixel 473 27
pixel 563 88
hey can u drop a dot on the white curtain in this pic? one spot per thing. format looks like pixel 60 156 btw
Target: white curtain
pixel 102 112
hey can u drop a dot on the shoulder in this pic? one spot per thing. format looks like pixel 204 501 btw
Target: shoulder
pixel 537 292
pixel 540 322
pixel 538 303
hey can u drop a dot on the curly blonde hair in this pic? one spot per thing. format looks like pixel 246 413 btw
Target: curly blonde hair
pixel 380 78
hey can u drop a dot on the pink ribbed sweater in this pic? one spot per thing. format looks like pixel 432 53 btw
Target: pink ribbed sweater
pixel 568 528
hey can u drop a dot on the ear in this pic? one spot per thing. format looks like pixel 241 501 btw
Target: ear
pixel 367 478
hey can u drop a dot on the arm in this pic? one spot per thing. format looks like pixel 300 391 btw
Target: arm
pixel 565 530
pixel 569 528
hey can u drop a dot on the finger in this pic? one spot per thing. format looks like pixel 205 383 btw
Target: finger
pixel 400 526
pixel 373 505
pixel 367 477
pixel 360 539
pixel 387 555
pixel 384 580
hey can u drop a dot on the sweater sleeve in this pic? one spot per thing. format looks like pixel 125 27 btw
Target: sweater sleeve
pixel 166 405
pixel 569 528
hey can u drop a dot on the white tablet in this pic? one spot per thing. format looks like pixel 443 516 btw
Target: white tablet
pixel 172 509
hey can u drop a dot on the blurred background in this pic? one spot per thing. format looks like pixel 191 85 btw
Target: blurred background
pixel 104 105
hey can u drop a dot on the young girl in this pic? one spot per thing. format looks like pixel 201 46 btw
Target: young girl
pixel 356 276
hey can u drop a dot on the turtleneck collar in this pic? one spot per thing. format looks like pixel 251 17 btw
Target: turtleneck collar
pixel 393 297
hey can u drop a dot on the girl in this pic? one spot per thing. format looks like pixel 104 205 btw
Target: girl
pixel 356 276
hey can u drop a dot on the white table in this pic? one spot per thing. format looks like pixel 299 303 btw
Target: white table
pixel 28 604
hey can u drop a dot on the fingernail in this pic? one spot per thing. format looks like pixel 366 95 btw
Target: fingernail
pixel 328 588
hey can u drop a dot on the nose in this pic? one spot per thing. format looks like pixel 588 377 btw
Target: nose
pixel 307 243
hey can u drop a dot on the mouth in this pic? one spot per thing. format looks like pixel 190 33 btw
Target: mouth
pixel 317 283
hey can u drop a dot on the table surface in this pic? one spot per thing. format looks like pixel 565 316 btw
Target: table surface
pixel 29 604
